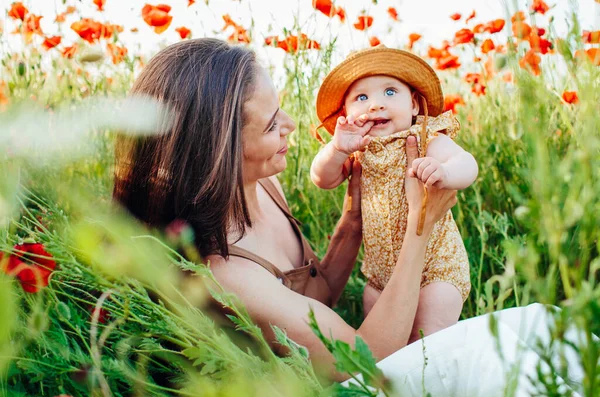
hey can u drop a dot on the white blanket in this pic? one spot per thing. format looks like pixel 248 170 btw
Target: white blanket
pixel 467 360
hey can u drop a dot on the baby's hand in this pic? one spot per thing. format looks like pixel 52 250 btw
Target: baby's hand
pixel 429 171
pixel 351 134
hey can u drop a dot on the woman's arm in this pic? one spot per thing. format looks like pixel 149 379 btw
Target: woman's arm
pixel 338 262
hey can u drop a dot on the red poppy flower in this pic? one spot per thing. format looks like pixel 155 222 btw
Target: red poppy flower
pixel 18 11
pixel 451 101
pixel 228 22
pixel 455 17
pixel 393 13
pixel 591 37
pixel 32 265
pixel 539 44
pixel 471 16
pixel 374 41
pixel 448 61
pixel 539 6
pixel 341 13
pixel 495 26
pixel 487 46
pixel 325 6
pixel 521 30
pixel 463 36
pixel 117 53
pixel 363 22
pixel 518 16
pixel 477 83
pixel 69 52
pixel 91 30
pixel 157 16
pixel 100 4
pixel 184 32
pixel 239 35
pixel 531 61
pixel 570 97
pixel 51 42
pixel 592 53
pixel 190 2
pixel 412 38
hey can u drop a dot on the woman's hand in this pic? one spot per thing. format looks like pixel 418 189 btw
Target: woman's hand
pixel 439 201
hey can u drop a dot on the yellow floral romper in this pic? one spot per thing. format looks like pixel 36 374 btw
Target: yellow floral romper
pixel 385 212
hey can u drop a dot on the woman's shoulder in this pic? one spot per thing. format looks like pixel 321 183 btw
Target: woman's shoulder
pixel 234 269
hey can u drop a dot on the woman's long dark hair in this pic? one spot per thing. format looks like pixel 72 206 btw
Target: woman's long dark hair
pixel 193 170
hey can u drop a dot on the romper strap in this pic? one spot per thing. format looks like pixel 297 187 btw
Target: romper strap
pixel 244 253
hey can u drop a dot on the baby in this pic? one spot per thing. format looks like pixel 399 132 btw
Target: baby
pixel 371 103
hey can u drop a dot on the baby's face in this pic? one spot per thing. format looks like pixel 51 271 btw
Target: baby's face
pixel 386 100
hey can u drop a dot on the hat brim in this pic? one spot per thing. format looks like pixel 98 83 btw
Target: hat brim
pixel 403 65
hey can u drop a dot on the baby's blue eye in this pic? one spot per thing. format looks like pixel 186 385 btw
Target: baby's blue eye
pixel 390 91
pixel 361 97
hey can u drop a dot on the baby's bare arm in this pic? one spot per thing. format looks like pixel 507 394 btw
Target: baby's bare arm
pixel 326 170
pixel 447 165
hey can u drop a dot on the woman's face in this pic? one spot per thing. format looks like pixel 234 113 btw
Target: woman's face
pixel 264 134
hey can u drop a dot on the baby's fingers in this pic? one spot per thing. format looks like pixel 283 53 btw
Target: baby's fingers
pixel 341 120
pixel 361 120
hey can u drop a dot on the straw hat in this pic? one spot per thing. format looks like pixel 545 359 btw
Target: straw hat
pixel 380 60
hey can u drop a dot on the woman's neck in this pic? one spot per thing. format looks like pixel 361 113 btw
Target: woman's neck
pixel 251 195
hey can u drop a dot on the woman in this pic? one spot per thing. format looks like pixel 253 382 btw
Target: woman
pixel 215 167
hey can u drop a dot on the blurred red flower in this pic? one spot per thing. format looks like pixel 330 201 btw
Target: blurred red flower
pixel 455 17
pixel 570 97
pixel 412 38
pixel 451 101
pixel 341 13
pixel 292 43
pixel 591 37
pixel 476 80
pixel 463 36
pixel 495 26
pixel 91 30
pixel 539 44
pixel 100 4
pixel 18 11
pixel 593 54
pixel 325 6
pixel 51 42
pixel 393 13
pixel 157 16
pixel 471 16
pixel 117 53
pixel 31 264
pixel 487 46
pixel 184 32
pixel 69 52
pixel 363 22
pixel 539 6
pixel 531 61
pixel 521 30
pixel 190 2
pixel 374 41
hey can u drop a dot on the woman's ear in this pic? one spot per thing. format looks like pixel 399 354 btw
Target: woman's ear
pixel 415 103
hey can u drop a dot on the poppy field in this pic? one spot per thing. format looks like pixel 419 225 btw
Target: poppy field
pixel 94 303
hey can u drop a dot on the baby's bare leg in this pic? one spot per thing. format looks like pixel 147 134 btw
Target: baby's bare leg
pixel 370 296
pixel 439 307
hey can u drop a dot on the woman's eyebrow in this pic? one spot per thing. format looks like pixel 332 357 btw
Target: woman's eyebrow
pixel 271 121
